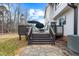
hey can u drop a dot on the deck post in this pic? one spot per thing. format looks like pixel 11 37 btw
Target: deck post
pixel 54 39
pixel 19 37
pixel 26 37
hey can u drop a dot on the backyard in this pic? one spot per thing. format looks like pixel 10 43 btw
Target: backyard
pixel 10 44
pixel 46 36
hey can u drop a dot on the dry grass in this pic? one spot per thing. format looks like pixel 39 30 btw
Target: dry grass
pixel 6 37
pixel 10 43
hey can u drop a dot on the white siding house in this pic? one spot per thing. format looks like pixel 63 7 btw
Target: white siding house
pixel 56 11
pixel 78 19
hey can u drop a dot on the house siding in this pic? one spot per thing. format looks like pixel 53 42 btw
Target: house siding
pixel 65 10
pixel 49 14
pixel 78 19
pixel 61 9
pixel 69 26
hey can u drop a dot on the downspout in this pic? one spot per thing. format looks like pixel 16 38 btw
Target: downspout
pixel 75 17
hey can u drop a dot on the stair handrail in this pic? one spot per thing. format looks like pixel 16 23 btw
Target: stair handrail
pixel 30 32
pixel 52 33
pixel 51 29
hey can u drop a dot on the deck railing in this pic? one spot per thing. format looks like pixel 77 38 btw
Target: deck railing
pixel 53 35
pixel 24 30
pixel 59 30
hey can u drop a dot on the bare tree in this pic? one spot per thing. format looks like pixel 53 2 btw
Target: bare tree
pixel 2 16
pixel 17 13
pixel 13 19
pixel 9 18
pixel 25 13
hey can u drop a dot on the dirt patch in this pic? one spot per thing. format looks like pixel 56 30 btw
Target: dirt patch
pixel 62 41
pixel 62 44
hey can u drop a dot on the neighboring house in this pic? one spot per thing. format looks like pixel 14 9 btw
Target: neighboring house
pixel 66 14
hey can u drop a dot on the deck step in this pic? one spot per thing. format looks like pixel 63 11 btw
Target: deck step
pixel 40 43
pixel 40 39
pixel 40 35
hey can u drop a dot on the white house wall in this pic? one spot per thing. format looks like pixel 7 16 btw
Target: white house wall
pixel 61 8
pixel 67 11
pixel 78 19
pixel 49 14
pixel 52 11
pixel 69 26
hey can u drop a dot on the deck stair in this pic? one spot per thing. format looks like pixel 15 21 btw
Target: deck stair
pixel 41 38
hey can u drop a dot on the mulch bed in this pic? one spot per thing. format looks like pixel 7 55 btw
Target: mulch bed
pixel 61 41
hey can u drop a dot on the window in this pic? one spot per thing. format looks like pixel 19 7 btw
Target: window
pixel 62 20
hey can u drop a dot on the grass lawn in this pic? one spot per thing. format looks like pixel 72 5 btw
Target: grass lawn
pixel 9 43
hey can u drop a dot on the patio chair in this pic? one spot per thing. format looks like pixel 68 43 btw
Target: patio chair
pixel 24 30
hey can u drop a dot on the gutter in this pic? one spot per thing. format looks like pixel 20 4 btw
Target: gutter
pixel 72 5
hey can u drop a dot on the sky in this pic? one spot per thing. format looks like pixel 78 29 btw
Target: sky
pixel 35 10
